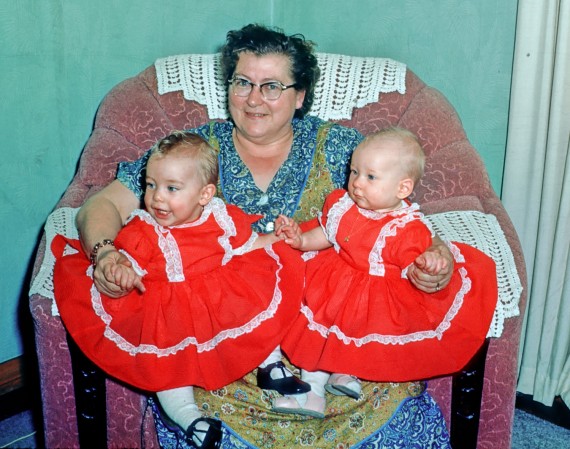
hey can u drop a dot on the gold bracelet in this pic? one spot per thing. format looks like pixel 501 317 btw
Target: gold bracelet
pixel 96 249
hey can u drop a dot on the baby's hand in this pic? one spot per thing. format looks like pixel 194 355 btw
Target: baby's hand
pixel 280 222
pixel 288 230
pixel 432 263
pixel 104 274
pixel 125 277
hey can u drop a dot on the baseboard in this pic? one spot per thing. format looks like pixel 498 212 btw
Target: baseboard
pixel 17 392
pixel 11 375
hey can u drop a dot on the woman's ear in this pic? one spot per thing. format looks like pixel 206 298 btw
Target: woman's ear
pixel 300 98
pixel 207 193
pixel 406 188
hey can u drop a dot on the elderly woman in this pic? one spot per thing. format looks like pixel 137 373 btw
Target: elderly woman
pixel 274 159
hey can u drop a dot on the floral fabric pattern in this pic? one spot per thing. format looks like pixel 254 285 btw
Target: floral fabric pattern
pixel 372 422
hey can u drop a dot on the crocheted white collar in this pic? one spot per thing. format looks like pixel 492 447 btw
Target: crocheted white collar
pixel 346 82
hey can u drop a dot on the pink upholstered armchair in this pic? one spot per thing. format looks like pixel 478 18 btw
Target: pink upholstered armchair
pixel 81 406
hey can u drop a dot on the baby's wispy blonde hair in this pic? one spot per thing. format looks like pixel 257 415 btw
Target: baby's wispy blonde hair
pixel 411 154
pixel 193 145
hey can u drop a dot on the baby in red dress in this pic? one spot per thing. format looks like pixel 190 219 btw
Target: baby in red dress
pixel 212 297
pixel 361 317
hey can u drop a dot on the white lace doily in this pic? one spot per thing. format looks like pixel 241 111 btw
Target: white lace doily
pixel 61 221
pixel 346 82
pixel 474 228
pixel 484 233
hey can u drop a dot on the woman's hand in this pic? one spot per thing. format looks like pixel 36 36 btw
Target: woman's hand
pixel 114 275
pixel 432 270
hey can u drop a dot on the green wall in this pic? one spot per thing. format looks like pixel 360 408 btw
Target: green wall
pixel 58 60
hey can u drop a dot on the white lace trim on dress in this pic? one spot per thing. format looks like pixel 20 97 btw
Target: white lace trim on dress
pixel 390 229
pixel 474 228
pixel 246 247
pixel 396 339
pixel 138 269
pixel 167 244
pixel 226 223
pixel 346 82
pixel 401 217
pixel 204 346
pixel 336 212
pixel 306 256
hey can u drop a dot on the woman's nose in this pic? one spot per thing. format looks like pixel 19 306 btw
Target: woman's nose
pixel 255 97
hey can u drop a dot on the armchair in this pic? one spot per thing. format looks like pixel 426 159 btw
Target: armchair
pixel 83 407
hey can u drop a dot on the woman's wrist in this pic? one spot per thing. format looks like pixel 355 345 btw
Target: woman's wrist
pixel 97 249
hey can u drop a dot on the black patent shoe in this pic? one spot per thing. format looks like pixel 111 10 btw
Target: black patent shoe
pixel 211 438
pixel 286 385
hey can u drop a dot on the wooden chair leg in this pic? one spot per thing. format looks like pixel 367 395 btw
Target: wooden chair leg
pixel 90 399
pixel 467 391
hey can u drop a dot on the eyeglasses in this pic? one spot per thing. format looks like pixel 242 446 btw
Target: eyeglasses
pixel 270 91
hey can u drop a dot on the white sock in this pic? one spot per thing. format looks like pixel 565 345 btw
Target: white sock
pixel 317 381
pixel 179 405
pixel 275 356
pixel 276 373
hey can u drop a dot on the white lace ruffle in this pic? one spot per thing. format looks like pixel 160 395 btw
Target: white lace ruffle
pixel 201 346
pixel 402 339
pixel 346 82
pixel 474 228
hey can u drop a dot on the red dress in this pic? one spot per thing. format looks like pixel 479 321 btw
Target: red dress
pixel 211 312
pixel 362 316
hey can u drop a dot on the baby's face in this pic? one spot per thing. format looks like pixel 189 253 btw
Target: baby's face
pixel 375 176
pixel 173 190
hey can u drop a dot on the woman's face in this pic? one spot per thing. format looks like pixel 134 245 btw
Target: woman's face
pixel 259 120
